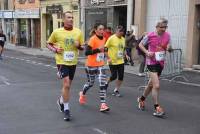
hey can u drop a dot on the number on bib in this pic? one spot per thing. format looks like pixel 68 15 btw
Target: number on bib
pixel 120 54
pixel 160 56
pixel 100 57
pixel 69 56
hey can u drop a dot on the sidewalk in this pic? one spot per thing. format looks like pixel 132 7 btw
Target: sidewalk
pixel 45 52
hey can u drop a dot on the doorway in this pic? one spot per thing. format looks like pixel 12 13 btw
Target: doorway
pixel 120 16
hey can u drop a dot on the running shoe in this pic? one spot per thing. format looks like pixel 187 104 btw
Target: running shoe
pixel 159 112
pixel 82 98
pixel 60 106
pixel 104 107
pixel 116 93
pixel 141 104
pixel 67 115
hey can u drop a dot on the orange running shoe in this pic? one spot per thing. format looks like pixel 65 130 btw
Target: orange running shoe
pixel 159 112
pixel 141 104
pixel 104 107
pixel 82 98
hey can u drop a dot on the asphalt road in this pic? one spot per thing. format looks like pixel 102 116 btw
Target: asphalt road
pixel 29 89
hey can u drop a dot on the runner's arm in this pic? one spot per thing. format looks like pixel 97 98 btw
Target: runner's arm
pixel 89 50
pixel 142 45
pixel 51 47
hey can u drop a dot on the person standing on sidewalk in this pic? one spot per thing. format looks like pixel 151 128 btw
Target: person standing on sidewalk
pixel 2 42
pixel 95 67
pixel 130 45
pixel 141 55
pixel 115 46
pixel 65 43
pixel 158 44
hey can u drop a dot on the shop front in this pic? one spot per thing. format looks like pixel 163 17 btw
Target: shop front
pixel 28 27
pixel 108 12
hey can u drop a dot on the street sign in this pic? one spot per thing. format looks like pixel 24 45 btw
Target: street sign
pixel 54 9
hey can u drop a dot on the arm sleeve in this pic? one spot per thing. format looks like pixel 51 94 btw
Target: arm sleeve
pixel 145 40
pixel 5 38
pixel 89 51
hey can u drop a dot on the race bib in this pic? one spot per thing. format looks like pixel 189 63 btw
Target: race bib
pixel 120 54
pixel 2 39
pixel 100 57
pixel 69 56
pixel 160 56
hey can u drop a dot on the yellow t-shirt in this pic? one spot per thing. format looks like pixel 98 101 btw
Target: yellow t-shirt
pixel 116 48
pixel 66 40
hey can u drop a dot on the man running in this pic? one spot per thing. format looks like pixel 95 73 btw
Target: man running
pixel 65 42
pixel 115 46
pixel 2 42
pixel 158 44
pixel 95 67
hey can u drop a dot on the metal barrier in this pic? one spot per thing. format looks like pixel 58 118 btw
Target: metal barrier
pixel 172 67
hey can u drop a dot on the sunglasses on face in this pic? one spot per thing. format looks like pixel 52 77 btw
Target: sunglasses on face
pixel 163 27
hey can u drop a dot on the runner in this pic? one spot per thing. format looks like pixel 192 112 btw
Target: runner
pixel 158 44
pixel 2 42
pixel 65 42
pixel 95 67
pixel 116 52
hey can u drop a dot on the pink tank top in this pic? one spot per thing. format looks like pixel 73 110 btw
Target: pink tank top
pixel 157 44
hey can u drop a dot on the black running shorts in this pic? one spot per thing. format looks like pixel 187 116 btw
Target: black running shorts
pixel 117 71
pixel 65 71
pixel 155 68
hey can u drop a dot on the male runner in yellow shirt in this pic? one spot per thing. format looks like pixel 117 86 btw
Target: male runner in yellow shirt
pixel 65 42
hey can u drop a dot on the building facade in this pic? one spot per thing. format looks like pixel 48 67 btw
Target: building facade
pixel 183 16
pixel 27 23
pixel 108 12
pixel 51 16
pixel 6 19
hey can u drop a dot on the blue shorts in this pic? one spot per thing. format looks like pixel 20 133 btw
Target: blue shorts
pixel 65 71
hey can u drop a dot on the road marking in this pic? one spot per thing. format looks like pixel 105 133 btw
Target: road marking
pixel 184 83
pixel 99 131
pixel 5 80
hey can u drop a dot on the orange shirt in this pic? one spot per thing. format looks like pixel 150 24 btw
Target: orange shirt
pixel 97 59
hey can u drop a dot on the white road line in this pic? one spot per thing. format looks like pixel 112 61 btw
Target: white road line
pixel 5 80
pixel 99 131
pixel 184 83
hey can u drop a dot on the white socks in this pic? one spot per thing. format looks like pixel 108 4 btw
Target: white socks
pixel 66 106
pixel 61 99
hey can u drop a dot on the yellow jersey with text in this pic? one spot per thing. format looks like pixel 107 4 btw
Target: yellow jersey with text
pixel 66 40
pixel 116 47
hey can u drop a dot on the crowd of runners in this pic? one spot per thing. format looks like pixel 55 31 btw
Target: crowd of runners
pixel 67 41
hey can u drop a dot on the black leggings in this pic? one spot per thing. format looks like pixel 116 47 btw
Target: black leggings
pixel 117 71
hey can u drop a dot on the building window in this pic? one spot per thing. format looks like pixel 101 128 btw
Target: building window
pixel 31 1
pixel 5 4
pixel 21 1
pixel 75 7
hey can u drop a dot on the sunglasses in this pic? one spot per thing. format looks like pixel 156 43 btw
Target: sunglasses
pixel 163 27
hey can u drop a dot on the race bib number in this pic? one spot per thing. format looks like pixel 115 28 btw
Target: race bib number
pixel 69 56
pixel 2 39
pixel 100 57
pixel 160 56
pixel 120 54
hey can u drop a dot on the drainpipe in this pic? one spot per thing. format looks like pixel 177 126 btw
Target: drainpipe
pixel 129 14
